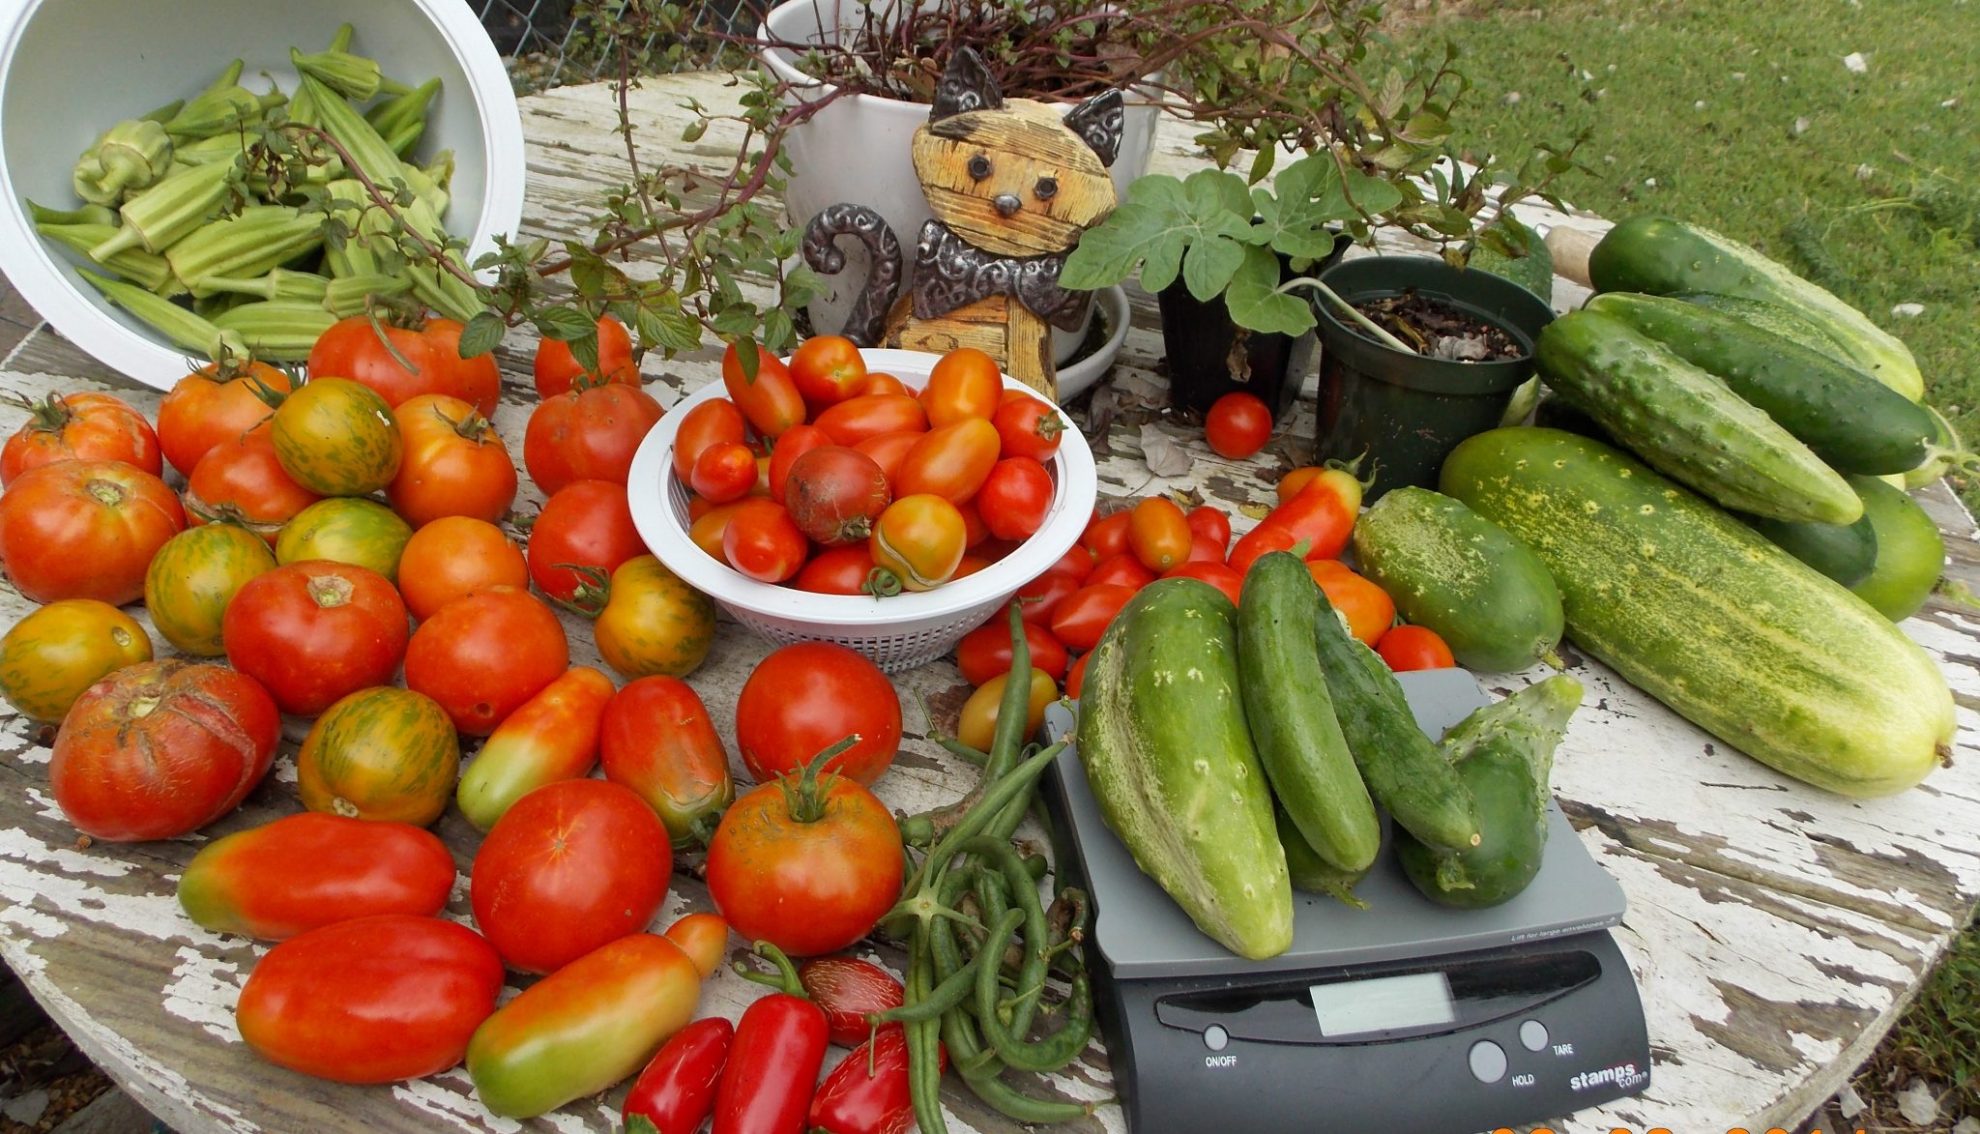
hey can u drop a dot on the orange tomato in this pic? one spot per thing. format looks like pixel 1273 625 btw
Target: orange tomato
pixel 1158 533
pixel 716 419
pixel 951 461
pixel 769 400
pixel 921 539
pixel 1369 609
pixel 977 725
pixel 964 384
pixel 870 415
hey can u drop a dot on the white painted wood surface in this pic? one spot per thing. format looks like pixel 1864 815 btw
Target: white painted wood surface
pixel 1775 931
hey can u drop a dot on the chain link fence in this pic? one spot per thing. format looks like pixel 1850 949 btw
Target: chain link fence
pixel 549 43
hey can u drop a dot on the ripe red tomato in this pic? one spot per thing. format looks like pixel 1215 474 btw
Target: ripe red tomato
pixel 1028 427
pixel 763 542
pixel 1322 513
pixel 1267 536
pixel 655 737
pixel 91 427
pixel 1369 609
pixel 803 698
pixel 985 651
pixel 965 383
pixel 1209 525
pixel 1414 647
pixel 702 425
pixel 161 748
pixel 1238 425
pixel 723 472
pixel 810 870
pixel 920 539
pixel 950 461
pixel 214 403
pixel 1077 563
pixel 870 415
pixel 835 494
pixel 707 530
pixel 1076 676
pixel 314 631
pixel 1042 595
pixel 586 523
pixel 567 868
pixel 241 482
pixel 455 464
pixel 1123 569
pixel 888 450
pixel 837 571
pixel 453 557
pixel 372 1000
pixel 400 363
pixel 589 432
pixel 828 369
pixel 1084 614
pixel 770 400
pixel 1158 533
pixel 885 384
pixel 309 869
pixel 484 655
pixel 796 442
pixel 85 529
pixel 1214 572
pixel 556 368
pixel 1107 535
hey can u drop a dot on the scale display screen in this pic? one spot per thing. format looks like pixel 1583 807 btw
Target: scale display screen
pixel 1351 1008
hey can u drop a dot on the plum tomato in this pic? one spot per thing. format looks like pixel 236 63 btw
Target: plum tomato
pixel 1028 426
pixel 828 369
pixel 921 540
pixel 763 542
pixel 976 726
pixel 1414 647
pixel 1015 498
pixel 1158 533
pixel 1369 609
pixel 702 425
pixel 985 652
pixel 964 383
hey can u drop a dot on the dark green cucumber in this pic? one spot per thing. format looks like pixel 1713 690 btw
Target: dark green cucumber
pixel 1852 421
pixel 1787 322
pixel 1699 611
pixel 1665 256
pixel 1163 741
pixel 1910 552
pixel 1484 593
pixel 1843 552
pixel 1399 764
pixel 1311 874
pixel 1686 423
pixel 1291 715
pixel 1504 752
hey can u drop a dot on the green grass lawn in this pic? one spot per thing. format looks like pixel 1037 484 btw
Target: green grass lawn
pixel 1742 115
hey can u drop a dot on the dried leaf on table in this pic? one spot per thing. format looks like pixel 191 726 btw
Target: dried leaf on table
pixel 1100 411
pixel 1164 455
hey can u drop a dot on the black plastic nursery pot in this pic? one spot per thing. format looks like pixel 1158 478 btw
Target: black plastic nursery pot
pixel 1203 366
pixel 1406 412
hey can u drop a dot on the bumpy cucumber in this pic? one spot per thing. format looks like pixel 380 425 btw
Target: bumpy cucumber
pixel 1844 552
pixel 1163 740
pixel 1687 423
pixel 1399 764
pixel 1484 593
pixel 1848 418
pixel 1704 614
pixel 1291 715
pixel 1910 552
pixel 1664 256
pixel 1311 874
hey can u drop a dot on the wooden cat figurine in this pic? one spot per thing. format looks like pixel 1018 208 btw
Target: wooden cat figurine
pixel 1012 185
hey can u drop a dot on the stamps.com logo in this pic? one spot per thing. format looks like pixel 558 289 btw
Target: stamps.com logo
pixel 1624 1075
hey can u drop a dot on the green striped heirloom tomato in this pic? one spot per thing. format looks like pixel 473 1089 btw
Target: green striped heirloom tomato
pixel 592 1023
pixel 85 529
pixel 161 748
pixel 552 736
pixel 59 650
pixel 571 866
pixel 650 621
pixel 382 753
pixel 337 438
pixel 314 631
pixel 309 870
pixel 372 1000
pixel 657 739
pixel 483 655
pixel 346 529
pixel 193 578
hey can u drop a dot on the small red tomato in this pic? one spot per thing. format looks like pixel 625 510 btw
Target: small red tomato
pixel 1076 676
pixel 1077 563
pixel 1041 596
pixel 964 384
pixel 1015 498
pixel 837 571
pixel 884 384
pixel 1029 427
pixel 556 368
pixel 1158 533
pixel 828 369
pixel 847 989
pixel 1414 647
pixel 769 399
pixel 796 442
pixel 1216 573
pixel 1107 535
pixel 723 472
pixel 1238 425
pixel 240 481
pixel 1208 523
pixel 985 652
pixel 763 542
pixel 1083 615
pixel 1123 569
pixel 702 425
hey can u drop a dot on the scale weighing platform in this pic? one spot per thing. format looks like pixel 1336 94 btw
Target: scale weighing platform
pixel 1406 1016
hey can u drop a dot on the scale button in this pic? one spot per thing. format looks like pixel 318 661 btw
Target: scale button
pixel 1215 1037
pixel 1533 1035
pixel 1488 1061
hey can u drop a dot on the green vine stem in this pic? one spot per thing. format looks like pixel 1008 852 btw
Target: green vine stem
pixel 1352 311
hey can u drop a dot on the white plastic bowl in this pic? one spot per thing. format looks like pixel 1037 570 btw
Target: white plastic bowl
pixel 69 69
pixel 897 632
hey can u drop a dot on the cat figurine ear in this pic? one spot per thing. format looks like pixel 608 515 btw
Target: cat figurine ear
pixel 966 85
pixel 1099 121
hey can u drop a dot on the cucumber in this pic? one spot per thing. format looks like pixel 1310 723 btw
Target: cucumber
pixel 1698 610
pixel 1843 552
pixel 1484 593
pixel 1504 752
pixel 1686 423
pixel 1665 256
pixel 1774 318
pixel 1910 552
pixel 1291 716
pixel 1162 737
pixel 1311 874
pixel 1556 412
pixel 1849 419
pixel 1398 763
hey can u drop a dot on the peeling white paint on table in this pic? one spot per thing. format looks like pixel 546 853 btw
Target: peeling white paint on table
pixel 1775 931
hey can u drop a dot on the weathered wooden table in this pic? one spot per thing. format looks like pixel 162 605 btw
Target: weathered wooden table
pixel 1775 931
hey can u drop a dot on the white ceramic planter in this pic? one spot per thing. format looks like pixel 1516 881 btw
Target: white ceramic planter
pixel 857 149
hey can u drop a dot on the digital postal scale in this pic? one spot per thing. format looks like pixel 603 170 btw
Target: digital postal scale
pixel 1406 1017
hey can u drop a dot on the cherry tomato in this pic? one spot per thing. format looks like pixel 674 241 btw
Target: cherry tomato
pixel 828 369
pixel 1216 573
pixel 884 384
pixel 724 471
pixel 888 450
pixel 1107 535
pixel 337 437
pixel 453 557
pixel 91 427
pixel 1083 615
pixel 1041 596
pixel 803 698
pixel 314 631
pixel 85 529
pixel 837 571
pixel 985 652
pixel 950 461
pixel 977 724
pixel 965 383
pixel 870 415
pixel 1028 427
pixel 1414 647
pixel 707 530
pixel 770 399
pixel 1158 533
pixel 455 464
pixel 555 368
pixel 484 655
pixel 1077 563
pixel 763 542
pixel 920 539
pixel 1369 610
pixel 49 657
pixel 1123 569
pixel 796 442
pixel 702 425
pixel 835 494
pixel 589 432
pixel 587 523
pixel 1238 425
pixel 240 481
pixel 1209 524
pixel 215 403
pixel 1015 498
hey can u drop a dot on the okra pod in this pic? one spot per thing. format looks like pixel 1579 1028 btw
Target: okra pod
pixel 85 214
pixel 404 138
pixel 353 76
pixel 180 327
pixel 261 238
pixel 148 270
pixel 275 284
pixel 393 115
pixel 277 330
pixel 347 295
pixel 445 292
pixel 221 111
pixel 158 218
pixel 369 152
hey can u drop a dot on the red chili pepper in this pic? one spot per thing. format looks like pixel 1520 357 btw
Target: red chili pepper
pixel 773 1064
pixel 867 1093
pixel 846 989
pixel 677 1088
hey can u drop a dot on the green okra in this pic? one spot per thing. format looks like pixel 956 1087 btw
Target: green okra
pixel 180 327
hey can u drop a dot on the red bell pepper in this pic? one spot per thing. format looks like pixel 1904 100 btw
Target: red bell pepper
pixel 677 1089
pixel 846 989
pixel 773 1063
pixel 867 1093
